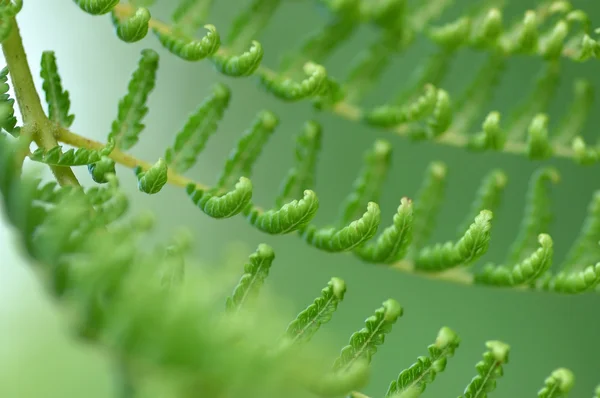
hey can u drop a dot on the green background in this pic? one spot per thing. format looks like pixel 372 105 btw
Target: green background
pixel 545 331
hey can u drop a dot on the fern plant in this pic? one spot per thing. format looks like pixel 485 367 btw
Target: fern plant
pixel 158 318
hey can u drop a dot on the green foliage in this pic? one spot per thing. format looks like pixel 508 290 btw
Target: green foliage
pixel 8 121
pixel 96 7
pixel 189 49
pixel 222 206
pixel 240 65
pixel 488 370
pixel 557 384
pixel 134 28
pixel 73 157
pixel 57 98
pixel 154 179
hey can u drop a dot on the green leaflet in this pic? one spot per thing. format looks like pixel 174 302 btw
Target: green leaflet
pixel 200 126
pixel 347 238
pixel 256 271
pixel 523 273
pixel 335 384
pixel 538 144
pixel 369 183
pixel 290 217
pixel 250 22
pixel 452 35
pixel 135 28
pixel 573 282
pixel 241 160
pixel 488 29
pixel 488 196
pixel 578 113
pixel 363 344
pixel 73 157
pixel 191 14
pixel 558 384
pixel 240 65
pixel 473 244
pixel 391 115
pixel 190 49
pixel 101 169
pixel 589 48
pixel 491 137
pixel 222 206
pixel 586 248
pixel 583 154
pixel 56 98
pixel 302 175
pixel 8 120
pixel 537 214
pixel 127 126
pixel 416 378
pixel 154 179
pixel 308 322
pixel 96 7
pixel 488 370
pixel 289 90
pixel 427 203
pixel 394 241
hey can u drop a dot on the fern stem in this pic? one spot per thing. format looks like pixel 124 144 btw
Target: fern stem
pixel 34 119
pixel 349 111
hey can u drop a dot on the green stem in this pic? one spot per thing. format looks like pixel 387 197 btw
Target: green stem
pixel 37 126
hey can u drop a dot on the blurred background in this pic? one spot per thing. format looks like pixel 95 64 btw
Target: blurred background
pixel 38 358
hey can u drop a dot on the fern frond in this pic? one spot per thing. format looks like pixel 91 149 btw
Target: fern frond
pixel 538 144
pixel 473 244
pixel 577 114
pixel 489 370
pixel 289 90
pixel 523 273
pixel 200 126
pixel 239 65
pixel 256 271
pixel 558 384
pixel 416 378
pixel 9 121
pixel 488 196
pixel 369 183
pixel 492 137
pixel 187 48
pixel 57 98
pixel 302 174
pixel 573 282
pixel 241 160
pixel 96 7
pixel 363 344
pixel 348 237
pixel 417 109
pixel 537 214
pixel 135 27
pixel 586 248
pixel 132 108
pixel 290 217
pixel 222 206
pixel 154 179
pixel 335 384
pixel 73 157
pixel 100 169
pixel 394 241
pixel 308 322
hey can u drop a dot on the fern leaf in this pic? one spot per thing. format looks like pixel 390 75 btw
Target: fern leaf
pixel 586 249
pixel 347 238
pixel 538 144
pixel 256 271
pixel 573 282
pixel 9 121
pixel 578 113
pixel 453 34
pixel 96 7
pixel 248 24
pixel 73 157
pixel 240 65
pixel 488 196
pixel 368 185
pixel 424 371
pixel 301 176
pixel 135 27
pixel 394 241
pixel 537 215
pixel 491 137
pixel 200 126
pixel 190 49
pixel 473 244
pixel 191 14
pixel 290 217
pixel 57 98
pixel 427 203
pixel 489 370
pixel 342 383
pixel 363 344
pixel 589 48
pixel 289 90
pixel 558 384
pixel 101 169
pixel 583 154
pixel 222 206
pixel 390 116
pixel 132 108
pixel 241 160
pixel 523 273
pixel 154 179
pixel 308 322
pixel 488 29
